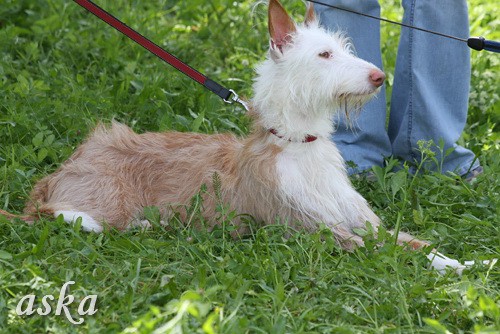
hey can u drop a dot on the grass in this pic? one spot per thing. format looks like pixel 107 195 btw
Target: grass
pixel 62 71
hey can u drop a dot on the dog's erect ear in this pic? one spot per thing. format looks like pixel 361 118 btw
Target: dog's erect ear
pixel 281 26
pixel 310 15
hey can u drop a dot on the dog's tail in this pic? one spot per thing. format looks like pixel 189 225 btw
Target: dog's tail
pixel 36 207
pixel 29 218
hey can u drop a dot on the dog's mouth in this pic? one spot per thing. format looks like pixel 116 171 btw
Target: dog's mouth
pixel 363 93
pixel 352 103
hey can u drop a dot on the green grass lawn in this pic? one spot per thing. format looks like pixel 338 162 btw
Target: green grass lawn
pixel 62 71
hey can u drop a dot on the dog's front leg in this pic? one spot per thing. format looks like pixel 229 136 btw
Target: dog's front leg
pixel 439 261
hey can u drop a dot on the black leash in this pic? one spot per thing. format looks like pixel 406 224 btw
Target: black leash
pixel 476 43
pixel 228 95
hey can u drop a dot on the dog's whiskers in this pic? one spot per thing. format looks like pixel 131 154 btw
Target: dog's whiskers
pixel 351 104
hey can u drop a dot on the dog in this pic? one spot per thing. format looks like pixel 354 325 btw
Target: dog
pixel 286 169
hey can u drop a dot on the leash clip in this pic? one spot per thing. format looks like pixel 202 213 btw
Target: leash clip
pixel 236 98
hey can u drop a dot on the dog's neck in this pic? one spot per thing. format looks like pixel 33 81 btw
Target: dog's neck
pixel 292 122
pixel 307 139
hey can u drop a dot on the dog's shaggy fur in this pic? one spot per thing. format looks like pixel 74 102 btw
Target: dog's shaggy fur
pixel 272 174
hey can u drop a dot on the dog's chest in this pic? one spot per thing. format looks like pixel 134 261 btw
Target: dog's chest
pixel 312 169
pixel 312 180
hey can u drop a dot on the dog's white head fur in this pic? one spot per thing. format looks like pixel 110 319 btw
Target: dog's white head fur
pixel 308 76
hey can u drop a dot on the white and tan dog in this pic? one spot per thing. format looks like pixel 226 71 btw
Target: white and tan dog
pixel 287 168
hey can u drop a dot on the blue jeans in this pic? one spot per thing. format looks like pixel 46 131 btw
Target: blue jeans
pixel 431 84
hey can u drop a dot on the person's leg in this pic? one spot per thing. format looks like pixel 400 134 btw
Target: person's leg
pixel 431 85
pixel 366 142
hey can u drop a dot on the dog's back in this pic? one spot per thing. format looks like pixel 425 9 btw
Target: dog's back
pixel 116 173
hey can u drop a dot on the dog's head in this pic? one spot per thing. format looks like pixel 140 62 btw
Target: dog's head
pixel 310 65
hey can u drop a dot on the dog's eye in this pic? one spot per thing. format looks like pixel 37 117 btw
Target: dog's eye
pixel 325 54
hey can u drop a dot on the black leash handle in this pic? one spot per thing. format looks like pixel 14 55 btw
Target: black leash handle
pixel 228 95
pixel 479 43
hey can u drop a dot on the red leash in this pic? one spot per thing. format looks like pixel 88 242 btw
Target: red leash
pixel 228 95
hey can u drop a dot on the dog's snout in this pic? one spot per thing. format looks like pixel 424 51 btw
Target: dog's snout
pixel 377 78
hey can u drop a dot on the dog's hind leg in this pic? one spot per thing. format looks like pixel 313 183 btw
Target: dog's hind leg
pixel 89 224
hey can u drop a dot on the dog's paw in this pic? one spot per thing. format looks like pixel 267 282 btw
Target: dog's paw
pixel 141 224
pixel 88 223
pixel 441 263
pixel 489 263
pixel 144 224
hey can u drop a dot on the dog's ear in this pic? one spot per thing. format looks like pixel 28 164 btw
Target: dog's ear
pixel 310 15
pixel 281 26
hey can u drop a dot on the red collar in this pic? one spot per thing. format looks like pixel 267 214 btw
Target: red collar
pixel 307 139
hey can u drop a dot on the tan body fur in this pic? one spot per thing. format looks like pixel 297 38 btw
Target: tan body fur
pixel 116 173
